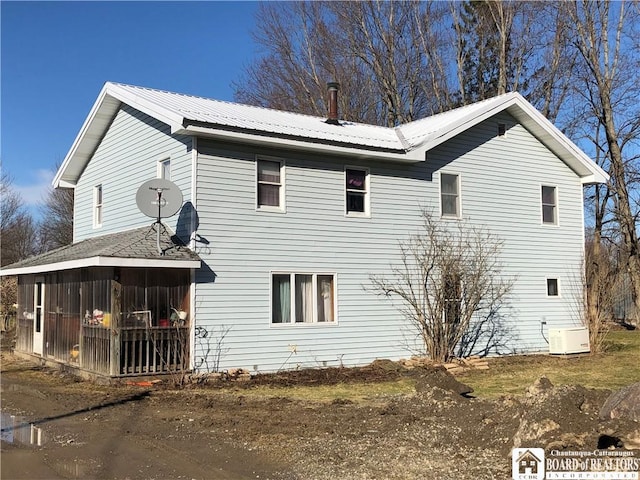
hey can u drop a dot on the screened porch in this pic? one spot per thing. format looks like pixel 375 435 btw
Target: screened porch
pixel 112 321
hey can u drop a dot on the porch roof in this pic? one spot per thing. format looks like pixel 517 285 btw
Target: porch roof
pixel 131 248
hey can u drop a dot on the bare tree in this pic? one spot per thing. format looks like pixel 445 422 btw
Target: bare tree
pixel 605 37
pixel 387 56
pixel 449 278
pixel 18 236
pixel 56 228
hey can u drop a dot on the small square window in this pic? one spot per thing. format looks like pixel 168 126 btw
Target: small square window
pixel 549 205
pixel 552 287
pixel 356 191
pixel 450 195
pixel 270 187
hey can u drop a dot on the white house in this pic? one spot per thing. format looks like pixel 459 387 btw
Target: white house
pixel 284 219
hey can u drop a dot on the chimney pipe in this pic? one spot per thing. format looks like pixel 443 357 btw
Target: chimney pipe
pixel 333 103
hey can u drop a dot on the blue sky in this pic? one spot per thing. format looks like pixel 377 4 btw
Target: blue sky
pixel 56 56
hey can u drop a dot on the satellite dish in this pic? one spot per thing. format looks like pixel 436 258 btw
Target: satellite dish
pixel 159 198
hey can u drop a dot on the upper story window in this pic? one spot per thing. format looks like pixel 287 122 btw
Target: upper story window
pixel 270 174
pixel 303 298
pixel 164 168
pixel 450 195
pixel 356 191
pixel 97 206
pixel 553 289
pixel 549 205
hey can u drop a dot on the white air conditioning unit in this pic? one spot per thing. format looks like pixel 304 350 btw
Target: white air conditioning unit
pixel 563 341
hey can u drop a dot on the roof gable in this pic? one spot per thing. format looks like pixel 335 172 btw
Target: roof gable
pixel 198 116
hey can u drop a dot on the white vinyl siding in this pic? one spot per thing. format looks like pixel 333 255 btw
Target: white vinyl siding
pixel 242 248
pixel 126 157
pixel 501 191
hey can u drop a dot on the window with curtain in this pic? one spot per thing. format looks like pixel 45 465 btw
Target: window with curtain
pixel 269 183
pixel 302 298
pixel 549 205
pixel 356 190
pixel 449 195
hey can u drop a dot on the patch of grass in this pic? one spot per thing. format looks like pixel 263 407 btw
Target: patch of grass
pixel 617 367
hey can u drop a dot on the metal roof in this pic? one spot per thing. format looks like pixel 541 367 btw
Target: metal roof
pixel 199 116
pixel 131 248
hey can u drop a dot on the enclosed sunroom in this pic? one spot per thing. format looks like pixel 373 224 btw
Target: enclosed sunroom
pixel 117 305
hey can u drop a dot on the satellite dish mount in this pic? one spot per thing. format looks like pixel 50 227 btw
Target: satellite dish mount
pixel 159 198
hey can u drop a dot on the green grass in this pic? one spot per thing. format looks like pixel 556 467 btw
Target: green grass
pixel 617 367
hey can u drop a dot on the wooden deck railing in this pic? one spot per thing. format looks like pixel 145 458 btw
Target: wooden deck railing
pixel 153 350
pixel 134 350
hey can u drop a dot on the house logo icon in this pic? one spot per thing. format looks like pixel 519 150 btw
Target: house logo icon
pixel 527 464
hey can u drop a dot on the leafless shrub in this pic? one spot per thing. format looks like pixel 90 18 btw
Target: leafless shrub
pixel 449 280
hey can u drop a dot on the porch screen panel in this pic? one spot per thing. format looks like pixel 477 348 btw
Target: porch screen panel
pixel 63 316
pixel 24 337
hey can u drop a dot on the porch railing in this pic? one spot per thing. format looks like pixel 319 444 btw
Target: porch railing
pixel 134 350
pixel 153 350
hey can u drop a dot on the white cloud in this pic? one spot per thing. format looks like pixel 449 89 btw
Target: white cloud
pixel 36 192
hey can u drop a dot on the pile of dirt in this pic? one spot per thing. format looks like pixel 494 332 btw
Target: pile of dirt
pixel 440 431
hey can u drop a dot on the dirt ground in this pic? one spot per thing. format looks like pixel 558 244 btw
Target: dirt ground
pixel 221 431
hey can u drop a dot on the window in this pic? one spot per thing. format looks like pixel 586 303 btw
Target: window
pixel 452 296
pixel 164 169
pixel 97 206
pixel 270 185
pixel 552 287
pixel 302 298
pixel 356 191
pixel 450 195
pixel 549 205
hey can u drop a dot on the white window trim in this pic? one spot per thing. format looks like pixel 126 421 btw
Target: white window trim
pixel 546 286
pixel 98 208
pixel 556 223
pixel 367 192
pixel 293 323
pixel 267 208
pixel 459 206
pixel 160 168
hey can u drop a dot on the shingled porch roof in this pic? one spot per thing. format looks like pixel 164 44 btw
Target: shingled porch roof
pixel 131 248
